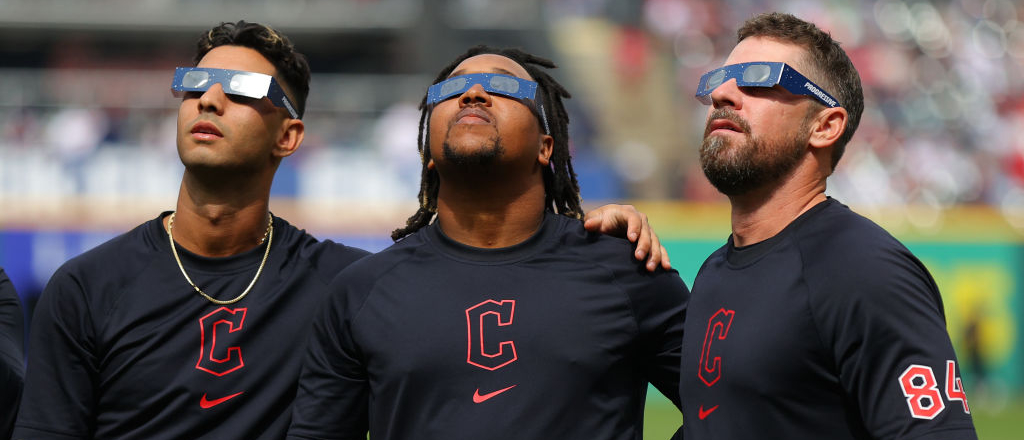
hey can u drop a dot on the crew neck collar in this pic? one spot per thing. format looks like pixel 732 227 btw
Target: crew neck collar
pixel 463 252
pixel 744 255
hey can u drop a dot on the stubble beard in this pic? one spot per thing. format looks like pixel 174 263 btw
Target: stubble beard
pixel 738 168
pixel 485 155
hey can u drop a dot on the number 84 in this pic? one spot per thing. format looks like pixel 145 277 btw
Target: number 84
pixel 922 392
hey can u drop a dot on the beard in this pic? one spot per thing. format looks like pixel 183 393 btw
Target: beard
pixel 739 168
pixel 488 153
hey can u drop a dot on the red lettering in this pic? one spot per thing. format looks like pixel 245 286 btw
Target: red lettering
pixel 211 326
pixel 710 369
pixel 477 318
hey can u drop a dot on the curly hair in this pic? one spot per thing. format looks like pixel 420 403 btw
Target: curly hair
pixel 292 67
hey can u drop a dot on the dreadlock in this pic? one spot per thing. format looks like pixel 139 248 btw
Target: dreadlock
pixel 561 190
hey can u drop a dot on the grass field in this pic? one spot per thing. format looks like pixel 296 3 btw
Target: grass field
pixel 1005 423
pixel 661 418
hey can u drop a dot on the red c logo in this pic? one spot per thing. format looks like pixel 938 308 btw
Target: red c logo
pixel 477 353
pixel 710 369
pixel 220 319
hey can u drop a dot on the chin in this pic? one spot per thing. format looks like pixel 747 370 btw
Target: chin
pixel 480 154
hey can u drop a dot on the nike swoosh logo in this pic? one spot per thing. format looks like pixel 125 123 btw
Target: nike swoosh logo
pixel 207 404
pixel 703 414
pixel 477 398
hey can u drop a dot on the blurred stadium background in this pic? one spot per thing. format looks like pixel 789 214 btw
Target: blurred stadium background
pixel 87 130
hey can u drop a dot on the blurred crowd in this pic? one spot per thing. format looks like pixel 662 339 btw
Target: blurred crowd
pixel 943 124
pixel 944 114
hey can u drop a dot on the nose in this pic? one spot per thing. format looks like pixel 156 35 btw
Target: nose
pixel 212 100
pixel 475 95
pixel 727 95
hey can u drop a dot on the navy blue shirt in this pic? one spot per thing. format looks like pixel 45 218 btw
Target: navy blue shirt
pixel 555 337
pixel 12 346
pixel 831 329
pixel 123 347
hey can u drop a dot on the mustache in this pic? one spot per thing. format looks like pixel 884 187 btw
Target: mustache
pixel 729 115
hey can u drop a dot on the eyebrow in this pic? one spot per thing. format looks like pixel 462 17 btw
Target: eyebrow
pixel 493 70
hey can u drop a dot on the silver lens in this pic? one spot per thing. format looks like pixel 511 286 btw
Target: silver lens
pixel 195 79
pixel 715 80
pixel 504 84
pixel 453 86
pixel 248 84
pixel 757 73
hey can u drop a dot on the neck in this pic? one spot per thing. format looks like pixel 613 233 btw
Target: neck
pixel 220 219
pixel 489 216
pixel 761 214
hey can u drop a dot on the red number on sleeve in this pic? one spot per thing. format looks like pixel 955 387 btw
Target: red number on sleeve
pixel 955 389
pixel 923 397
pixel 922 391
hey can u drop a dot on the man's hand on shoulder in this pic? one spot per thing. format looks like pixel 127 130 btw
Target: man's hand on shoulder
pixel 625 221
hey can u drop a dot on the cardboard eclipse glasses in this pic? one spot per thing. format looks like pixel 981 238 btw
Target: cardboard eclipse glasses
pixel 497 83
pixel 234 82
pixel 762 74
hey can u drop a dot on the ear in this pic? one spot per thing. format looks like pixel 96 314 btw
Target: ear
pixel 547 146
pixel 827 127
pixel 292 133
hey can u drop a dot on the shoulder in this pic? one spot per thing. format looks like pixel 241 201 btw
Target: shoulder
pixel 373 266
pixel 124 255
pixel 850 259
pixel 6 287
pixel 8 296
pixel 325 257
pixel 840 241
pixel 12 327
pixel 614 255
pixel 572 238
pixel 94 280
pixel 657 300
pixel 11 318
pixel 354 285
pixel 716 258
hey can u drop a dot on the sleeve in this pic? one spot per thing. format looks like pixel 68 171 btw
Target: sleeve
pixel 882 316
pixel 60 398
pixel 659 305
pixel 333 394
pixel 12 341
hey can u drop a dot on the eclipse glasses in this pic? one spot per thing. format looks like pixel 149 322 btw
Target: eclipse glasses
pixel 497 83
pixel 234 82
pixel 762 74
pixel 505 85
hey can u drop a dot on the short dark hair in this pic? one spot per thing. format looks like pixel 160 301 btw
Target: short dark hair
pixel 292 67
pixel 829 64
pixel 562 191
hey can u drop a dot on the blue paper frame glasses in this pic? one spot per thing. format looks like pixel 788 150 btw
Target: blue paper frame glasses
pixel 505 85
pixel 496 83
pixel 234 82
pixel 762 74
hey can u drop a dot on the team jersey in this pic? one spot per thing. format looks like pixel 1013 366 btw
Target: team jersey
pixel 555 337
pixel 12 341
pixel 830 329
pixel 122 347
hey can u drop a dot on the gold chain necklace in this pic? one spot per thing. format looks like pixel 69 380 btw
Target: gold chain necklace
pixel 268 236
